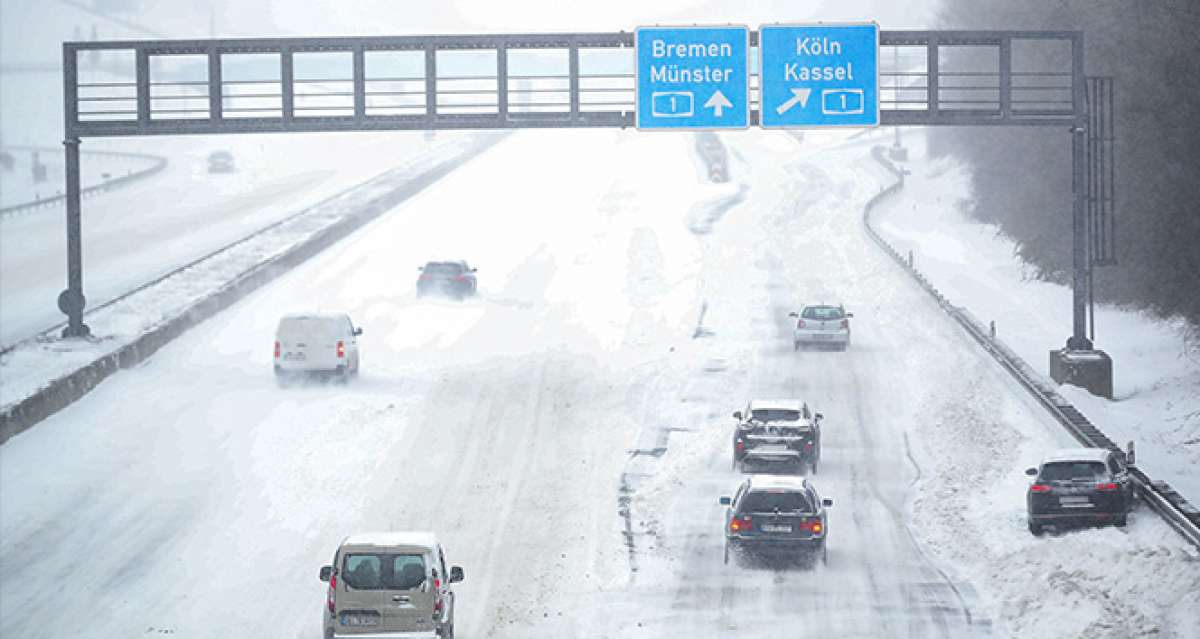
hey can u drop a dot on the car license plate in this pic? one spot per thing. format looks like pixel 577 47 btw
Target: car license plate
pixel 359 620
pixel 822 336
pixel 1075 502
pixel 294 357
pixel 775 528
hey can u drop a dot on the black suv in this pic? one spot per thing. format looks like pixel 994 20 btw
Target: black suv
pixel 453 279
pixel 1079 486
pixel 776 514
pixel 777 434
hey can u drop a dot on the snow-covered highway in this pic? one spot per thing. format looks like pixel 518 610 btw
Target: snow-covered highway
pixel 191 496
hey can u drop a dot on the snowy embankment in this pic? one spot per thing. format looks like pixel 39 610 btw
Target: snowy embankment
pixel 37 364
pixel 1156 375
pixel 968 508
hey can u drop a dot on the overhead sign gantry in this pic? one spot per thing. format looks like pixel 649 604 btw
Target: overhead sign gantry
pixel 420 82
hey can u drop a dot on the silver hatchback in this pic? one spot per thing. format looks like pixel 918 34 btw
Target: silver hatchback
pixel 822 325
pixel 389 586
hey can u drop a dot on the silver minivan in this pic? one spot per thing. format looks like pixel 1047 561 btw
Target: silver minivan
pixel 390 585
pixel 315 343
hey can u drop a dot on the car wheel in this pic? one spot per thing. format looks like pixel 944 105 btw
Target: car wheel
pixel 448 632
pixel 1036 529
pixel 813 467
pixel 727 553
pixel 1121 521
pixel 824 554
pixel 796 346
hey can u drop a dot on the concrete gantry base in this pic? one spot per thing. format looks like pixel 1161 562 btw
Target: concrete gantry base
pixel 1090 369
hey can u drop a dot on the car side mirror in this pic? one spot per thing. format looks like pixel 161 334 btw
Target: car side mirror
pixel 456 574
pixel 358 331
pixel 737 414
pixel 420 268
pixel 725 501
pixel 793 314
pixel 849 314
pixel 474 270
pixel 820 416
pixel 827 502
pixel 1032 472
pixel 326 573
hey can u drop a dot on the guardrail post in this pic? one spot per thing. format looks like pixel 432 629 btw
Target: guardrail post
pixel 910 258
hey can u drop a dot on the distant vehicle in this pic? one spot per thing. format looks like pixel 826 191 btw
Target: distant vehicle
pixel 714 155
pixel 316 344
pixel 220 162
pixel 772 514
pixel 822 325
pixel 777 434
pixel 1079 486
pixel 452 279
pixel 389 585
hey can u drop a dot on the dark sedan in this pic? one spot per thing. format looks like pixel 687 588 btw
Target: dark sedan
pixel 776 515
pixel 451 279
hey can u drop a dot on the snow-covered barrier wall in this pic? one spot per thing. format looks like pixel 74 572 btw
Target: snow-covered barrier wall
pixel 1183 516
pixel 155 164
pixel 43 375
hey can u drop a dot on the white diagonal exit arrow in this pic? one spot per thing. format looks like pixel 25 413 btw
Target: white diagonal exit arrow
pixel 799 96
pixel 718 103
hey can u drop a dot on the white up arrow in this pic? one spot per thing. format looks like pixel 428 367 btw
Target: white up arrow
pixel 718 103
pixel 799 96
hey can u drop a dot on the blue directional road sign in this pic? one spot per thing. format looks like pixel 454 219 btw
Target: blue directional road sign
pixel 819 75
pixel 692 77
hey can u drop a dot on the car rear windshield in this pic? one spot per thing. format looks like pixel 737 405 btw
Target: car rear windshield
pixel 1068 471
pixel 291 328
pixel 383 571
pixel 822 313
pixel 772 501
pixel 774 415
pixel 443 268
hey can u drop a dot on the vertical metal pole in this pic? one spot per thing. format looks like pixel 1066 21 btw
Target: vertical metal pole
pixel 287 85
pixel 71 301
pixel 142 70
pixel 1005 77
pixel 430 83
pixel 1079 239
pixel 932 68
pixel 216 102
pixel 360 82
pixel 573 69
pixel 502 82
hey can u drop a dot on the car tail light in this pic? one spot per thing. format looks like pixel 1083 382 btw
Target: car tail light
pixel 330 599
pixel 800 324
pixel 341 349
pixel 740 445
pixel 276 350
pixel 738 524
pixel 814 526
pixel 1107 487
pixel 1039 488
pixel 808 444
pixel 845 323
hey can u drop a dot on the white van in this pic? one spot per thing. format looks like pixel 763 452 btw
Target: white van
pixel 316 343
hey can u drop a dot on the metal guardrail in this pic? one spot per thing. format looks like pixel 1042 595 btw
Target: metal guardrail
pixel 1158 495
pixel 158 164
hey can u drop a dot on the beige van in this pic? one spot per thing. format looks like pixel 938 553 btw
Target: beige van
pixel 389 586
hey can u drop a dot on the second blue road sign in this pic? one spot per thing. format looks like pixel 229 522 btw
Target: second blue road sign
pixel 692 77
pixel 819 75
